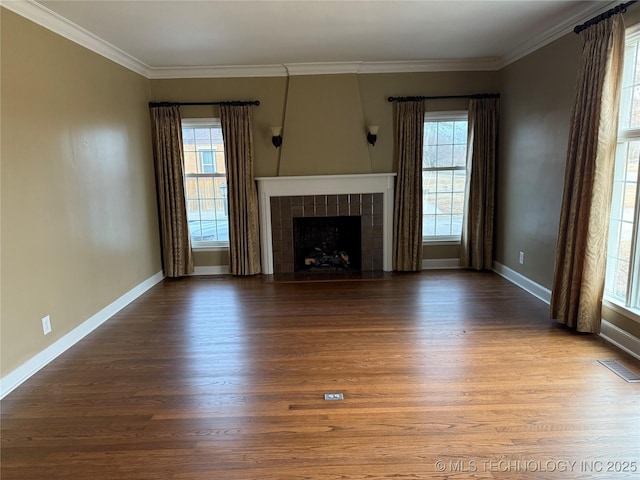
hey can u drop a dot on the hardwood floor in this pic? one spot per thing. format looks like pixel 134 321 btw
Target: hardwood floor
pixel 445 375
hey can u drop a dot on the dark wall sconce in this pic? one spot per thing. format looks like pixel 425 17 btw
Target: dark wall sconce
pixel 276 136
pixel 372 134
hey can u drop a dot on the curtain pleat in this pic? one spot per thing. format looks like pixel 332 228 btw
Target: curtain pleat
pixel 578 282
pixel 166 130
pixel 476 249
pixel 407 212
pixel 244 236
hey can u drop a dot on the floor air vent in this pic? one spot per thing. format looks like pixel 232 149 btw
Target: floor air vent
pixel 620 370
pixel 333 396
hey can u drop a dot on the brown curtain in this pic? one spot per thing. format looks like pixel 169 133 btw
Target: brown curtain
pixel 166 130
pixel 407 212
pixel 578 282
pixel 476 249
pixel 244 236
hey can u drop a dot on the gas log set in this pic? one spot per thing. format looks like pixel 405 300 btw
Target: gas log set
pixel 321 259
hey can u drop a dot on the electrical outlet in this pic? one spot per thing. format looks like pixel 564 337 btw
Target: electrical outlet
pixel 521 259
pixel 46 325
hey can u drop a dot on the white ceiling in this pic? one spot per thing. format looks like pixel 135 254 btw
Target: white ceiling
pixel 182 33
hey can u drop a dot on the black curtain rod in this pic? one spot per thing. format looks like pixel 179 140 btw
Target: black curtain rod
pixel 622 8
pixel 442 97
pixel 233 103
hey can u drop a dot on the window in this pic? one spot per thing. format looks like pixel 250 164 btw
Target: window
pixel 205 183
pixel 444 175
pixel 622 281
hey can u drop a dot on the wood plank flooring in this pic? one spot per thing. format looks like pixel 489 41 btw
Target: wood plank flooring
pixel 445 375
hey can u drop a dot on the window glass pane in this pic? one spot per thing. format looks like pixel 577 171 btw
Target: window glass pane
pixel 445 182
pixel 635 108
pixel 205 184
pixel 460 133
pixel 431 134
pixel 445 149
pixel 191 188
pixel 620 279
pixel 430 156
pixel 459 181
pixel 633 155
pixel 188 139
pixel 445 156
pixel 203 136
pixel 457 207
pixel 625 107
pixel 445 133
pixel 460 155
pixel 428 225
pixel 220 166
pixel 628 212
pixel 630 58
pixel 190 162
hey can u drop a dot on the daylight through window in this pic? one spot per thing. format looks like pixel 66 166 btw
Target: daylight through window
pixel 621 283
pixel 205 183
pixel 444 175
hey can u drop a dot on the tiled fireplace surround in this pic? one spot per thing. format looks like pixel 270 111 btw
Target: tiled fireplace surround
pixel 366 205
pixel 281 199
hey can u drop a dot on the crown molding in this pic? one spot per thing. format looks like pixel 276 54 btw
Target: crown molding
pixel 440 65
pixel 228 71
pixel 58 24
pixel 436 65
pixel 322 68
pixel 560 30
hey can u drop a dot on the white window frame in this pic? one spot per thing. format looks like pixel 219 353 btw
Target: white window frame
pixel 630 307
pixel 444 116
pixel 205 123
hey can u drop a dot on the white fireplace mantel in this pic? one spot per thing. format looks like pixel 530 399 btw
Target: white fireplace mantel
pixel 323 185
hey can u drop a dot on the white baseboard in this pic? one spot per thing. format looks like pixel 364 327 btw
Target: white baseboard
pixel 523 282
pixel 620 338
pixel 12 380
pixel 213 270
pixel 440 263
pixel 611 333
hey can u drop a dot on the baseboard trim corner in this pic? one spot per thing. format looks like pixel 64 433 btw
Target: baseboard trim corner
pixel 15 378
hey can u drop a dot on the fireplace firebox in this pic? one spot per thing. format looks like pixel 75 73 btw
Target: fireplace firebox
pixel 327 244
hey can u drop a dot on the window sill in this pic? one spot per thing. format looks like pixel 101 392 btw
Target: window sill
pixel 209 248
pixel 440 241
pixel 630 313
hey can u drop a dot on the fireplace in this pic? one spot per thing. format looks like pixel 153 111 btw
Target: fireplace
pixel 367 198
pixel 327 244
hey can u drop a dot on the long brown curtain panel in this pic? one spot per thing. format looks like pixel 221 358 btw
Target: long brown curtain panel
pixel 476 249
pixel 244 235
pixel 578 283
pixel 407 212
pixel 166 131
